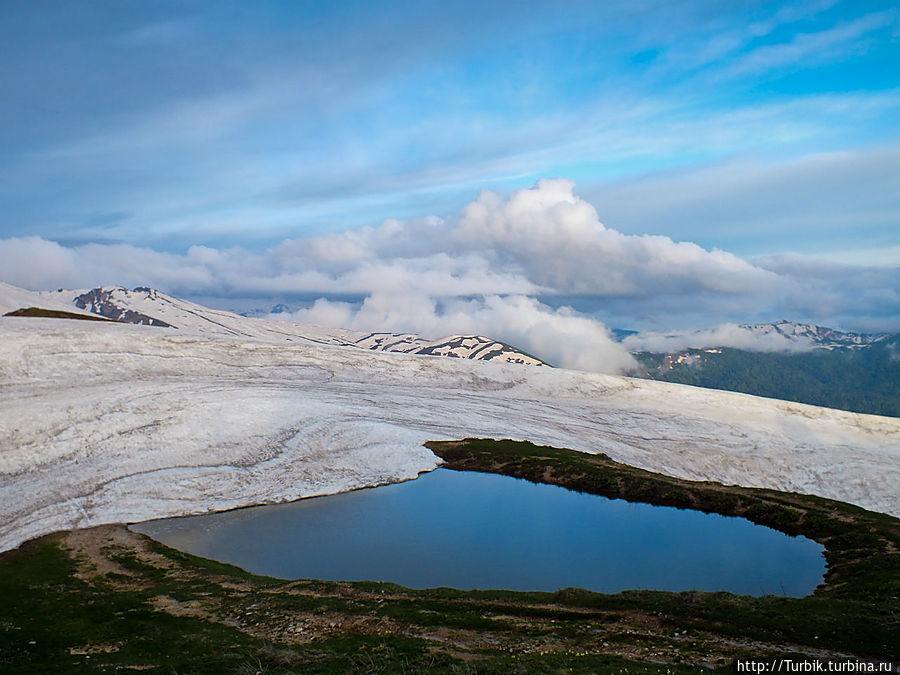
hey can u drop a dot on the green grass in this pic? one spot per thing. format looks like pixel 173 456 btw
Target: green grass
pixel 46 603
pixel 50 618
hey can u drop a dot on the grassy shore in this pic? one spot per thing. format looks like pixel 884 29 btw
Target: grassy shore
pixel 108 599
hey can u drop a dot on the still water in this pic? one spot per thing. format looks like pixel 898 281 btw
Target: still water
pixel 476 530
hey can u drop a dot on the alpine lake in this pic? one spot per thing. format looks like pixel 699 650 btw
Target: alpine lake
pixel 469 530
pixel 739 572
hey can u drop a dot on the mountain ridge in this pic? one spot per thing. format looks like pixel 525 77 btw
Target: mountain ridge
pixel 147 306
pixel 822 337
pixel 863 378
pixel 773 336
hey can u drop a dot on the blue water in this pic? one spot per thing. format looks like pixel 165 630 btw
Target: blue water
pixel 476 530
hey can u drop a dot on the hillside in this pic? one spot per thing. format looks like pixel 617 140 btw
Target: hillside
pixel 110 421
pixel 15 299
pixel 150 307
pixel 107 422
pixel 864 380
pixel 804 363
pixel 859 380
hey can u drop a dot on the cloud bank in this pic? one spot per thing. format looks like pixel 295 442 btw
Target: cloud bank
pixel 234 122
pixel 725 335
pixel 538 240
pixel 483 270
pixel 560 337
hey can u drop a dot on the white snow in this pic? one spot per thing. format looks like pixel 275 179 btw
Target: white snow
pixel 110 422
pixel 192 318
pixel 196 319
pixel 13 298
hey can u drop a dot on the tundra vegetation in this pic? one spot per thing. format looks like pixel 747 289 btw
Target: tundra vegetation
pixel 108 599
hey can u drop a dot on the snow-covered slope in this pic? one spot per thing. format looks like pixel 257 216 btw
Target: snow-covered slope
pixel 105 422
pixel 474 347
pixel 143 305
pixel 13 298
pixel 148 306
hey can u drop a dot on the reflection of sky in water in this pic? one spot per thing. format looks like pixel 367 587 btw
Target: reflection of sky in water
pixel 475 530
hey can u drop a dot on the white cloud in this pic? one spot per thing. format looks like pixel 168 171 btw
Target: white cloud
pixel 38 264
pixel 545 238
pixel 479 270
pixel 725 335
pixel 560 336
pixel 539 240
pixel 560 242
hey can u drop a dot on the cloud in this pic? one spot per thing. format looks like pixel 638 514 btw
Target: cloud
pixel 38 264
pixel 868 298
pixel 543 239
pixel 725 335
pixel 539 240
pixel 561 336
pixel 815 47
pixel 481 269
pixel 828 204
pixel 559 241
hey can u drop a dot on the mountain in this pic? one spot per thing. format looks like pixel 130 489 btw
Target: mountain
pixel 777 336
pixel 147 306
pixel 15 300
pixel 819 336
pixel 849 371
pixel 105 303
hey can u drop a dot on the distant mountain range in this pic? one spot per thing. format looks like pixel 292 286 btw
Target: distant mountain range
pixel 849 371
pixel 778 336
pixel 820 336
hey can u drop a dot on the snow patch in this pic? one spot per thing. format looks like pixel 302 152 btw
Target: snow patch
pixel 106 423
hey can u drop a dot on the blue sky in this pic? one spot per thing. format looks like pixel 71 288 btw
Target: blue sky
pixel 767 129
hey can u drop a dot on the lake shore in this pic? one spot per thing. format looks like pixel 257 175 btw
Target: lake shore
pixel 105 423
pixel 108 597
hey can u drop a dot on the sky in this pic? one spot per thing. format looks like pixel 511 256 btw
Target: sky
pixel 641 164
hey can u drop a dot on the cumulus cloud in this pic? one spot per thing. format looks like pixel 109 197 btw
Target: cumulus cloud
pixel 539 240
pixel 559 241
pixel 560 336
pixel 479 271
pixel 546 235
pixel 38 264
pixel 725 335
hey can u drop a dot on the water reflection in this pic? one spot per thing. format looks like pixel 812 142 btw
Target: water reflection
pixel 474 530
